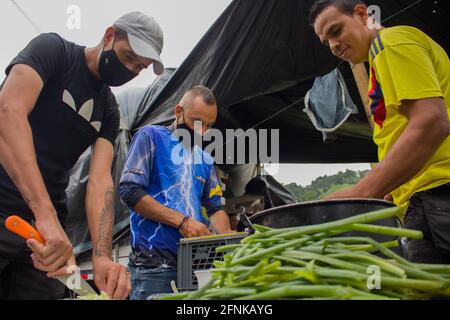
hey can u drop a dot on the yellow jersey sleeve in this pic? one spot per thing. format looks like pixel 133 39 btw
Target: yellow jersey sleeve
pixel 406 72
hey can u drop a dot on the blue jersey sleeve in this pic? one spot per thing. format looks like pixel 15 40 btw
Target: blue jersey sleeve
pixel 212 195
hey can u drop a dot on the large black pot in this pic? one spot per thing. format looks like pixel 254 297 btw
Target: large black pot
pixel 316 212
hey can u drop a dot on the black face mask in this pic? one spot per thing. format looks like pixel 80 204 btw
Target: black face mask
pixel 112 72
pixel 193 135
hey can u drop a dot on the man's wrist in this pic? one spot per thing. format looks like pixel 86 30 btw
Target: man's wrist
pixel 96 257
pixel 365 188
pixel 101 255
pixel 175 218
pixel 182 223
pixel 102 249
pixel 45 213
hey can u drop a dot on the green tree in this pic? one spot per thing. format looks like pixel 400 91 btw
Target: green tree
pixel 324 185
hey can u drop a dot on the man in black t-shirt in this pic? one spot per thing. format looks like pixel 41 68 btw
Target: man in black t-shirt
pixel 54 104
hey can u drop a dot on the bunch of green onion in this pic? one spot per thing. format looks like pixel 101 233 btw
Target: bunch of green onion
pixel 317 262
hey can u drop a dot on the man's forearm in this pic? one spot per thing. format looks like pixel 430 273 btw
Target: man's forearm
pixel 153 210
pixel 220 223
pixel 100 213
pixel 408 156
pixel 18 158
pixel 18 97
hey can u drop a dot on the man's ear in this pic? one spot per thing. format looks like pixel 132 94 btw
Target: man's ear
pixel 178 111
pixel 360 12
pixel 108 37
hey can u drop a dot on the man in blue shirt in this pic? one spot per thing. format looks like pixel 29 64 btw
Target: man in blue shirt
pixel 169 198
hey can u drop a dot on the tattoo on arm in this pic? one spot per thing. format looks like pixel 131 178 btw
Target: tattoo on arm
pixel 103 247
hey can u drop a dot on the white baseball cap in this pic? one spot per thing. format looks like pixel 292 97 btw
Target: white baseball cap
pixel 145 37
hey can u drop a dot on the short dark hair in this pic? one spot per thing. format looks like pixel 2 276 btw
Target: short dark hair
pixel 205 93
pixel 345 6
pixel 119 34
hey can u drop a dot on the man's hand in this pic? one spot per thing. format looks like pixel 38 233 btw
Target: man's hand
pixel 112 278
pixel 220 222
pixel 57 250
pixel 192 228
pixel 69 268
pixel 109 277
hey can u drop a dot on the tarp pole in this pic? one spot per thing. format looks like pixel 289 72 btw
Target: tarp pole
pixel 362 81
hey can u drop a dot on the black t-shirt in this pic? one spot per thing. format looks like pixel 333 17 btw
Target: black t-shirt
pixel 72 111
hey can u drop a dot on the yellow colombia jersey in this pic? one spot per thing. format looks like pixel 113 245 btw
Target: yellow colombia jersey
pixel 406 64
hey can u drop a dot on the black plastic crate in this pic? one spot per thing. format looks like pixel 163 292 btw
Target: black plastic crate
pixel 199 254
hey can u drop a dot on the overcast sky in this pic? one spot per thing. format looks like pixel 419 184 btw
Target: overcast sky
pixel 184 22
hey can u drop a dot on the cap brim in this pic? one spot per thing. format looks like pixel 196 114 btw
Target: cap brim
pixel 146 50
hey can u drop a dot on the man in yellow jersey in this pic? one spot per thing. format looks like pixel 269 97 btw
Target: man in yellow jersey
pixel 409 87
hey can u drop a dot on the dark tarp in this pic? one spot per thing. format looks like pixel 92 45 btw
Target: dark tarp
pixel 274 193
pixel 262 56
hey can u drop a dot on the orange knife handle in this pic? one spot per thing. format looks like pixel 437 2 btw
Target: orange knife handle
pixel 23 228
